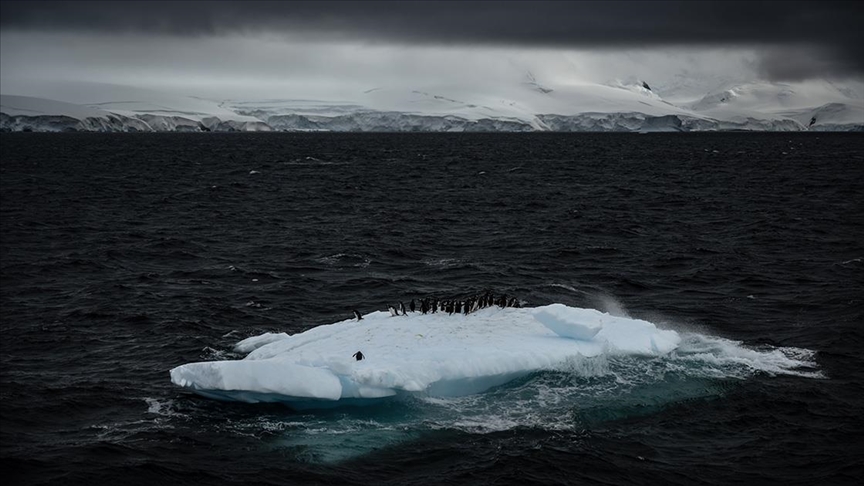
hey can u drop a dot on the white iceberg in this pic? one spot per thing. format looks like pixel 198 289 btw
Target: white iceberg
pixel 433 355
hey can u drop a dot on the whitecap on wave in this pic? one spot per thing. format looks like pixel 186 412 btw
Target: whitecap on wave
pixel 345 260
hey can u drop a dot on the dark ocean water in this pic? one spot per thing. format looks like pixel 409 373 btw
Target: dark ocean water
pixel 126 255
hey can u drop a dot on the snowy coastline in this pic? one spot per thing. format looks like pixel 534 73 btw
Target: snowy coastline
pixel 525 107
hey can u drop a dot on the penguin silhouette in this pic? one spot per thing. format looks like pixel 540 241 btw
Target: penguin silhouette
pixel 358 355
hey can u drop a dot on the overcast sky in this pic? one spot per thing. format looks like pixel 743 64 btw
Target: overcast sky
pixel 263 49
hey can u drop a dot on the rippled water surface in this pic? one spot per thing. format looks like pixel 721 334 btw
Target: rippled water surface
pixel 124 256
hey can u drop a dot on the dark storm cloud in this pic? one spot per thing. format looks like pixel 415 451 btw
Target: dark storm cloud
pixel 832 29
pixel 799 63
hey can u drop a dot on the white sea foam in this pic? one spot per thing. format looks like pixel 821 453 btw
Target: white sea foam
pixel 160 407
pixel 727 358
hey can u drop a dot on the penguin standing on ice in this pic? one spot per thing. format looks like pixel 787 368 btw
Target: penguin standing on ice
pixel 402 309
pixel 358 355
pixel 357 315
pixel 411 305
pixel 392 310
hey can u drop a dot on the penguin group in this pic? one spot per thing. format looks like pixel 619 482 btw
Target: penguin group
pixel 465 306
pixel 432 305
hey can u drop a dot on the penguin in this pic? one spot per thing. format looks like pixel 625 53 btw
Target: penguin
pixel 402 309
pixel 458 307
pixel 357 315
pixel 434 306
pixel 411 305
pixel 423 307
pixel 466 309
pixel 358 355
pixel 392 310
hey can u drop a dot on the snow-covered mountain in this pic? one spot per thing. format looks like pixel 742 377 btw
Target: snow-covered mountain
pixel 527 105
pixel 25 113
pixel 106 107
